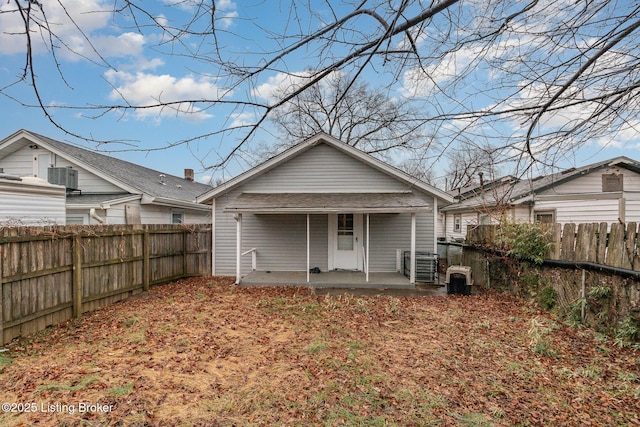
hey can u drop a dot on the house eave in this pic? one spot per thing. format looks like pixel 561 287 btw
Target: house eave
pixel 321 210
pixel 162 201
pixel 369 202
pixel 102 204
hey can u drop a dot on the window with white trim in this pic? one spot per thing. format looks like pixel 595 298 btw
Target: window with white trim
pixel 457 223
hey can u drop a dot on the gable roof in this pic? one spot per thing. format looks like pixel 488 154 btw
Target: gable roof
pixel 523 191
pixel 130 177
pixel 323 138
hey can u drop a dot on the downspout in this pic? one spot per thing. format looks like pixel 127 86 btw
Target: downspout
pixel 92 214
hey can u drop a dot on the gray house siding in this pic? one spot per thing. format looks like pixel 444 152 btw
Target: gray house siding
pixel 324 169
pixel 389 232
pixel 280 239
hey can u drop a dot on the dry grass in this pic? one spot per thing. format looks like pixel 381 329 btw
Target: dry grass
pixel 203 352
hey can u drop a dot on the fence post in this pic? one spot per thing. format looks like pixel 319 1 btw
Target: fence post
pixel 185 261
pixel 77 275
pixel 146 259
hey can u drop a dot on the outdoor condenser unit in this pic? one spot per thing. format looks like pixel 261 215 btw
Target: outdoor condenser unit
pixel 426 266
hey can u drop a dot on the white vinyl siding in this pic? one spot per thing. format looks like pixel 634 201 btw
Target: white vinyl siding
pixel 149 214
pixel 25 204
pixel 153 214
pixel 466 219
pixel 22 163
pixel 581 211
pixel 520 214
pixel 592 182
pixel 19 163
pixel 632 211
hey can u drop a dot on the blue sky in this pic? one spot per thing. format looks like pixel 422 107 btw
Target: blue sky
pixel 137 66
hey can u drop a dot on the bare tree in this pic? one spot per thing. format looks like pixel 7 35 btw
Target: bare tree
pixel 542 78
pixel 469 165
pixel 356 115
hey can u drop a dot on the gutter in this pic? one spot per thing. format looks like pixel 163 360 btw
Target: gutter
pixel 162 201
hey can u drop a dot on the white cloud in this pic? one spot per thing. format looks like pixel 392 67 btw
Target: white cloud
pixel 419 82
pixel 90 15
pixel 225 12
pixel 144 89
pixel 625 136
pixel 126 44
pixel 278 84
pixel 205 179
pixel 281 84
pixel 79 29
pixel 242 119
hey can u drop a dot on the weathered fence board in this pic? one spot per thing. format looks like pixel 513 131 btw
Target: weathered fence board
pixel 567 246
pixel 602 243
pixel 50 274
pixel 630 245
pixel 618 247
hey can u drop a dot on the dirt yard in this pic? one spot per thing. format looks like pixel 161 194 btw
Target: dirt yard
pixel 203 352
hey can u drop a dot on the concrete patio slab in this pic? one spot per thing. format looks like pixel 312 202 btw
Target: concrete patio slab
pixel 337 280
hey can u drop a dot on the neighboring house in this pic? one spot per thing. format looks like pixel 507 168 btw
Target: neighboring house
pixel 103 189
pixel 30 201
pixel 607 191
pixel 325 204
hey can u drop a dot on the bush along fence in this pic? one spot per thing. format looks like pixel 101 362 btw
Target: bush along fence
pixel 51 274
pixel 588 274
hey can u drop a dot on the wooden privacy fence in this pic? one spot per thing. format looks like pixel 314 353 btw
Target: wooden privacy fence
pixel 616 245
pixel 50 274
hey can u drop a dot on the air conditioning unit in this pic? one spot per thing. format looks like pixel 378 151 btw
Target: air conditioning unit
pixel 63 176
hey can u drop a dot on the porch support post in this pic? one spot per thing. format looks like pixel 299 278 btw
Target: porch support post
pixel 238 218
pixel 366 259
pixel 308 248
pixel 435 225
pixel 412 269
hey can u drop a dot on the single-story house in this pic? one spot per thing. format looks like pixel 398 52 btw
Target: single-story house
pixel 607 191
pixel 321 205
pixel 101 188
pixel 30 201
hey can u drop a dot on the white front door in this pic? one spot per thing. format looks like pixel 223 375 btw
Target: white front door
pixel 345 241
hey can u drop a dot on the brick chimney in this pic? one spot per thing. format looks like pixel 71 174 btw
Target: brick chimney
pixel 189 175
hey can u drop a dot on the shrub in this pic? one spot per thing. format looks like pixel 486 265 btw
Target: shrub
pixel 526 242
pixel 628 333
pixel 547 298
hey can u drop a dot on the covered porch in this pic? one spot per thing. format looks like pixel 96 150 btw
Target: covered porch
pixel 346 247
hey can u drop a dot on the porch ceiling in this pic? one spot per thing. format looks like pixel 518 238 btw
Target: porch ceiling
pixel 328 203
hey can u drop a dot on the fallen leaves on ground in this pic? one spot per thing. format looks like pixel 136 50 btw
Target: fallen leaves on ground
pixel 204 352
